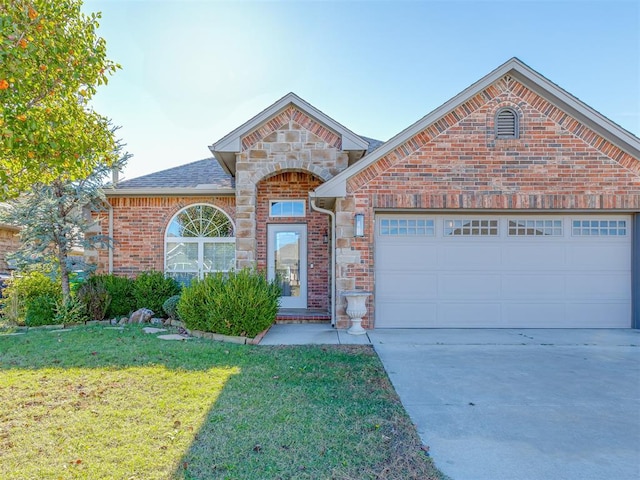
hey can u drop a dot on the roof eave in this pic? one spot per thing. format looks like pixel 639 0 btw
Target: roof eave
pixel 168 192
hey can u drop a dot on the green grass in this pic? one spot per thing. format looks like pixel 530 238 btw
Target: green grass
pixel 96 403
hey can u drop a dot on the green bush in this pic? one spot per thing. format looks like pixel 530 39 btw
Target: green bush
pixel 242 303
pixel 31 299
pixel 170 307
pixel 41 310
pixel 120 289
pixel 151 289
pixel 94 297
pixel 73 311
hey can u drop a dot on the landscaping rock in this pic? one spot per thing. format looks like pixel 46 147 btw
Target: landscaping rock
pixel 156 321
pixel 173 336
pixel 153 330
pixel 141 316
pixel 123 321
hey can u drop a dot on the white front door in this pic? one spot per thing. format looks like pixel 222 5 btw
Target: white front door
pixel 287 259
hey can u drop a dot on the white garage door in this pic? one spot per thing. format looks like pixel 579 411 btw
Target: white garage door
pixel 503 271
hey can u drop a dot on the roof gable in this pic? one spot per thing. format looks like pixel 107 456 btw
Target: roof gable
pixel 289 107
pixel 474 96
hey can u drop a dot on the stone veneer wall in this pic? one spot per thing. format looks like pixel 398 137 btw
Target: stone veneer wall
pixel 457 163
pixel 291 141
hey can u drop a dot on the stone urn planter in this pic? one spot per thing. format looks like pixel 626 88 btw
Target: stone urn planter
pixel 356 309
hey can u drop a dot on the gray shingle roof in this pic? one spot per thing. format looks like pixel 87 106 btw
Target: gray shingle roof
pixel 203 172
pixel 373 143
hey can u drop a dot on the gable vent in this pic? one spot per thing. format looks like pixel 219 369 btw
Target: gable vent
pixel 507 123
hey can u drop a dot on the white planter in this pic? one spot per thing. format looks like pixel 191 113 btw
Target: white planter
pixel 356 309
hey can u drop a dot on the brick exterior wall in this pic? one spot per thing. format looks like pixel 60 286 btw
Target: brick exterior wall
pixel 296 186
pixel 139 225
pixel 457 163
pixel 8 243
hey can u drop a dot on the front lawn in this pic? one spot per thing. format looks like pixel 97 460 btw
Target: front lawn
pixel 98 403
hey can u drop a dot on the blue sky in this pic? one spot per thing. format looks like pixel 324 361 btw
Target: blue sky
pixel 195 70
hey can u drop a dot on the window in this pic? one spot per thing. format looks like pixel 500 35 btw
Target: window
pixel 471 228
pixel 406 227
pixel 199 240
pixel 535 228
pixel 599 228
pixel 286 208
pixel 507 123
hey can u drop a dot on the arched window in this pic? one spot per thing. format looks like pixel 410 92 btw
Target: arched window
pixel 200 239
pixel 507 123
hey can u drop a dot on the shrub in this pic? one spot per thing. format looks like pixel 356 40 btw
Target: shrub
pixel 40 310
pixel 242 303
pixel 94 297
pixel 31 299
pixel 73 311
pixel 120 289
pixel 170 307
pixel 151 289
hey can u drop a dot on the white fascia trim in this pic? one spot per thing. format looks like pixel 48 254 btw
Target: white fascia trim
pixel 164 192
pixel 231 141
pixel 337 186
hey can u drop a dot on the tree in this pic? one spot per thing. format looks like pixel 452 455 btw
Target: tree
pixel 51 62
pixel 56 218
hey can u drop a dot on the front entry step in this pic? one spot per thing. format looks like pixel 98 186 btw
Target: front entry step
pixel 302 315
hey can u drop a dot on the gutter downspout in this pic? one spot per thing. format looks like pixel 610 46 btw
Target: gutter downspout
pixel 312 202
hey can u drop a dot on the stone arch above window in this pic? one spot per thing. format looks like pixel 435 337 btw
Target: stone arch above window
pixel 507 123
pixel 199 240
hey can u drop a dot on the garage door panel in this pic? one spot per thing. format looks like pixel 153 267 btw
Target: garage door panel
pixel 469 285
pixel 600 255
pixel 407 257
pixel 407 314
pixel 468 314
pixel 530 256
pixel 468 256
pixel 539 314
pixel 596 314
pixel 598 285
pixel 522 277
pixel 533 285
pixel 407 285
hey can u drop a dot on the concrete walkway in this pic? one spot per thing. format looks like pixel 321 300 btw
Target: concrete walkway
pixel 512 404
pixel 311 334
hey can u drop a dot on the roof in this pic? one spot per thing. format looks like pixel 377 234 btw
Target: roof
pixel 204 176
pixel 226 148
pixel 373 144
pixel 336 187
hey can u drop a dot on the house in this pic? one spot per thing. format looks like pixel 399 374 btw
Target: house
pixel 514 204
pixel 9 243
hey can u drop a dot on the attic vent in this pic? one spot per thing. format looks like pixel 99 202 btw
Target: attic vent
pixel 507 123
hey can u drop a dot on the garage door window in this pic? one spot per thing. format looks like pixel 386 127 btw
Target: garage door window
pixel 599 228
pixel 405 227
pixel 535 228
pixel 471 228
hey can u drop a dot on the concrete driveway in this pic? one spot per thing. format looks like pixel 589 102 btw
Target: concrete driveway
pixel 521 404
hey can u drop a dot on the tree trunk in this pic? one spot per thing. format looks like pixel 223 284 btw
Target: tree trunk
pixel 64 277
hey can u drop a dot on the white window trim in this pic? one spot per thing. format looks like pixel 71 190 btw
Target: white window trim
pixel 281 200
pixel 200 241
